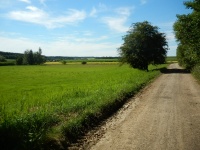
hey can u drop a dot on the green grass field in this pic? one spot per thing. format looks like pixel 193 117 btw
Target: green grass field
pixel 42 103
pixel 171 59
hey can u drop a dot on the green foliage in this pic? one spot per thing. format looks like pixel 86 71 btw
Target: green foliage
pixel 143 45
pixel 7 63
pixel 38 58
pixel 84 62
pixel 60 101
pixel 30 58
pixel 195 5
pixel 27 132
pixel 196 71
pixel 187 32
pixel 19 60
pixel 2 59
pixel 9 55
pixel 64 62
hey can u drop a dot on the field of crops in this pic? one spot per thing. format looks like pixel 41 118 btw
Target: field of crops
pixel 39 104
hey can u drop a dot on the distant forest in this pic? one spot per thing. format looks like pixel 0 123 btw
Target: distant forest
pixel 9 55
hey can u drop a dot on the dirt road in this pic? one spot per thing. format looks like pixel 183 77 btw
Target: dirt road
pixel 165 116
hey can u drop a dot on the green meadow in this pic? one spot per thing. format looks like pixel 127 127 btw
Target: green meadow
pixel 171 59
pixel 41 104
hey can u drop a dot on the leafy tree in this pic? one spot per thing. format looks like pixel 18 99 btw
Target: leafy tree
pixel 143 45
pixel 28 58
pixel 2 58
pixel 38 58
pixel 187 33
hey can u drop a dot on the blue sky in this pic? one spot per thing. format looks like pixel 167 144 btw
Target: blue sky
pixel 81 27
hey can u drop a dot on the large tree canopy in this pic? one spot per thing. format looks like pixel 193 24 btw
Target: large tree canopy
pixel 187 31
pixel 143 45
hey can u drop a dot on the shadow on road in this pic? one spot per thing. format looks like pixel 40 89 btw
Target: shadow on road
pixel 174 70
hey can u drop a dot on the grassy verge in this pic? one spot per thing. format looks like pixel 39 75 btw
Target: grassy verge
pixel 51 106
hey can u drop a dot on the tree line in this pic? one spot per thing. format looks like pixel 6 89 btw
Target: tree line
pixel 31 58
pixel 9 55
pixel 187 32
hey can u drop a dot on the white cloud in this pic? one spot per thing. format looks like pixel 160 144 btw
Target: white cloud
pixel 26 1
pixel 143 2
pixel 93 13
pixel 167 28
pixel 99 9
pixel 87 33
pixel 63 46
pixel 166 24
pixel 82 49
pixel 126 11
pixel 171 43
pixel 4 4
pixel 19 45
pixel 172 50
pixel 170 36
pixel 90 40
pixel 42 2
pixel 32 8
pixel 118 22
pixel 102 7
pixel 38 16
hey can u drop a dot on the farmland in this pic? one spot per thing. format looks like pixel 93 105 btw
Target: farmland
pixel 171 59
pixel 44 103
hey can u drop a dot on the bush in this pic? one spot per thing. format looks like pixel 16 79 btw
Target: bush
pixel 84 62
pixel 7 63
pixel 64 62
pixel 196 72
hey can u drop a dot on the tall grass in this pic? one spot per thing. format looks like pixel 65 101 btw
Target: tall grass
pixel 39 104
